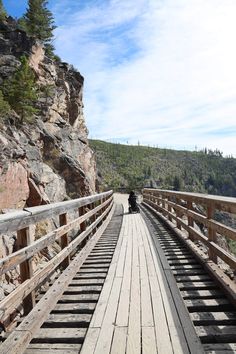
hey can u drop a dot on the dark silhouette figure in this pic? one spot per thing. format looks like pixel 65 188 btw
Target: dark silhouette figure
pixel 133 207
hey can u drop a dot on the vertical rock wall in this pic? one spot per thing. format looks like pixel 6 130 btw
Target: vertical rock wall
pixel 49 160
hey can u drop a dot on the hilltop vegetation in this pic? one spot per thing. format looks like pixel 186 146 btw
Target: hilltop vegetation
pixel 133 167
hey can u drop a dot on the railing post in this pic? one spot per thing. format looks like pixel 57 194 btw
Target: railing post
pixel 83 224
pixel 177 202
pixel 158 202
pixel 94 217
pixel 211 233
pixel 164 206
pixel 24 239
pixel 64 239
pixel 100 211
pixel 169 209
pixel 190 219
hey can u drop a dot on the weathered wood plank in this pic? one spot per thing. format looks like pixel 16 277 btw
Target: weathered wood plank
pixel 25 253
pixel 62 335
pixel 123 307
pixel 220 348
pixel 67 319
pixel 211 203
pixel 104 296
pixel 16 297
pixel 211 318
pixel 134 325
pixel 73 308
pixel 221 203
pixel 203 294
pixel 182 333
pixel 90 341
pixel 52 351
pixel 21 219
pixel 106 332
pixel 119 341
pixel 24 239
pixel 148 340
pixel 30 326
pixel 195 305
pixel 57 348
pixel 217 333
pixel 64 241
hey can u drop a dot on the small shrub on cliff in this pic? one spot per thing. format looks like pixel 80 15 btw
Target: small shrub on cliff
pixel 3 13
pixel 38 21
pixel 4 106
pixel 21 92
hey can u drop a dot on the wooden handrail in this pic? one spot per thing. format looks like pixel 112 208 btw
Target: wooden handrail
pixel 178 208
pixel 17 220
pixel 93 211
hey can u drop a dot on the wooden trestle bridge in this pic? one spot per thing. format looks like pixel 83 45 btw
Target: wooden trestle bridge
pixel 119 282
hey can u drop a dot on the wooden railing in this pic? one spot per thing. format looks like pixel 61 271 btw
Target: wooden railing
pixel 87 215
pixel 195 213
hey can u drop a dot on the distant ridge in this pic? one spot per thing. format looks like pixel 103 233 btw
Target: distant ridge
pixel 125 167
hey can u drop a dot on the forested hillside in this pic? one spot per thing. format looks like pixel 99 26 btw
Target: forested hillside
pixel 133 167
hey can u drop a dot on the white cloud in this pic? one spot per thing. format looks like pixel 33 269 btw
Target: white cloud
pixel 161 72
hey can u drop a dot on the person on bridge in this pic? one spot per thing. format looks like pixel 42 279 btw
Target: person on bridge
pixel 133 207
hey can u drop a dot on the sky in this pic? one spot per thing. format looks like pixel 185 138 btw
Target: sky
pixel 157 72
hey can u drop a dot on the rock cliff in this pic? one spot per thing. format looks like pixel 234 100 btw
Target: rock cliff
pixel 49 160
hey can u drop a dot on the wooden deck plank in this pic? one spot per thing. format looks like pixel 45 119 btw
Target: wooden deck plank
pixel 103 299
pixel 163 339
pixel 123 307
pixel 136 312
pixel 119 341
pixel 91 341
pixel 146 301
pixel 149 341
pixel 177 337
pixel 106 332
pixel 134 325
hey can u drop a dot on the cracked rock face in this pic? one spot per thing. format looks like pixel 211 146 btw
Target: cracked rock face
pixel 49 160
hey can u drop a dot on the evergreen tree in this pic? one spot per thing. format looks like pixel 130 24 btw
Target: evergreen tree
pixel 3 13
pixel 21 92
pixel 38 22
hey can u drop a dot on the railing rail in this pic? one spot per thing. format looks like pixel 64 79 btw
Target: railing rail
pixel 182 209
pixel 91 213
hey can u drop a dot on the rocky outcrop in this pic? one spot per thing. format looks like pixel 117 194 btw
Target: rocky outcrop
pixel 49 160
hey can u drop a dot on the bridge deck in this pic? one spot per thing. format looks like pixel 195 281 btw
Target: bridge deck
pixel 136 312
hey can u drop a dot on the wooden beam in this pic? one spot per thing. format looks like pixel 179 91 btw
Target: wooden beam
pixel 64 239
pixel 22 336
pixel 20 219
pixel 227 204
pixel 21 255
pixel 13 300
pixel 211 234
pixel 26 268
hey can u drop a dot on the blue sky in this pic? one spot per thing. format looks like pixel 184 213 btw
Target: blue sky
pixel 161 72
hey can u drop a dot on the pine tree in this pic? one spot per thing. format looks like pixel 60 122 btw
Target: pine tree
pixel 38 22
pixel 3 13
pixel 21 92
